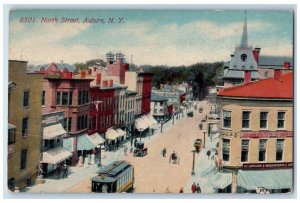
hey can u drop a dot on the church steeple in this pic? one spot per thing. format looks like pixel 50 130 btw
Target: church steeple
pixel 244 40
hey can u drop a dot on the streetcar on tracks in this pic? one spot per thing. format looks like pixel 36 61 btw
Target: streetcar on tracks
pixel 114 178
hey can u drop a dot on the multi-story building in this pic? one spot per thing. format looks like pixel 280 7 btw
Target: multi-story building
pixel 159 107
pixel 64 92
pixel 129 112
pixel 256 136
pixel 24 129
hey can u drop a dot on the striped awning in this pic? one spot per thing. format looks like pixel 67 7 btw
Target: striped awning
pixel 68 144
pixel 56 155
pixel 111 134
pixel 268 179
pixel 220 180
pixel 53 131
pixel 84 142
pixel 97 139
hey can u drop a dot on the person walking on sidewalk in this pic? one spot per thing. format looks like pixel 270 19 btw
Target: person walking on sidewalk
pixel 198 188
pixel 65 173
pixel 125 151
pixel 208 154
pixel 194 188
pixel 181 190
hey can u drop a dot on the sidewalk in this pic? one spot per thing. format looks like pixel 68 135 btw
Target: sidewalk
pixel 202 162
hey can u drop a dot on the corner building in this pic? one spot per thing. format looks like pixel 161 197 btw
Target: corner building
pixel 256 136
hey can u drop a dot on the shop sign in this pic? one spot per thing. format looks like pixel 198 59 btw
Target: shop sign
pixel 258 166
pixel 52 118
pixel 228 134
pixel 267 134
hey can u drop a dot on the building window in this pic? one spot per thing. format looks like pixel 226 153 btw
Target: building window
pixel 262 150
pixel 79 98
pixel 226 119
pixel 226 149
pixel 69 124
pixel 279 149
pixel 245 150
pixel 65 98
pixel 11 136
pixel 25 127
pixel 58 98
pixel 86 97
pixel 244 57
pixel 26 99
pixel 23 159
pixel 280 119
pixel 263 119
pixel 43 97
pixel 246 119
pixel 71 98
pixel 65 123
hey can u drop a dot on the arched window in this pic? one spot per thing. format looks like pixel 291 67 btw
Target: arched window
pixel 243 57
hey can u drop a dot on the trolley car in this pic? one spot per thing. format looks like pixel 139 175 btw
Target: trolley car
pixel 116 177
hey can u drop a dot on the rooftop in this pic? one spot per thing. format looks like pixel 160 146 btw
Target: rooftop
pixel 270 88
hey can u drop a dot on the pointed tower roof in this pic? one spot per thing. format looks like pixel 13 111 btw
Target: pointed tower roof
pixel 244 40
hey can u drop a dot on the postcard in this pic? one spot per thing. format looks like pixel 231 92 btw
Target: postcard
pixel 150 101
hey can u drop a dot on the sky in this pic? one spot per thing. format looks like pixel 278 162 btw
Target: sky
pixel 154 37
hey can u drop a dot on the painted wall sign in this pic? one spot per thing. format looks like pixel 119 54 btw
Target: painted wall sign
pixel 258 166
pixel 267 134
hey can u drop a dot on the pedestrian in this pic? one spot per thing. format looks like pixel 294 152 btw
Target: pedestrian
pixel 198 188
pixel 125 151
pixel 212 158
pixel 208 154
pixel 135 141
pixel 201 126
pixel 181 190
pixel 194 188
pixel 65 173
pixel 152 131
pixel 58 171
pixel 164 151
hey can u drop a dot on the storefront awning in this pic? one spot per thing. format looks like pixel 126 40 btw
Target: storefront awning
pixel 152 120
pixel 147 121
pixel 121 132
pixel 11 126
pixel 268 179
pixel 111 134
pixel 84 142
pixel 97 139
pixel 68 144
pixel 53 131
pixel 140 125
pixel 56 155
pixel 220 180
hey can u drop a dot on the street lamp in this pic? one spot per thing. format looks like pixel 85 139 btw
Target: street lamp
pixel 173 118
pixel 193 167
pixel 140 130
pixel 99 155
pixel 204 132
pixel 162 123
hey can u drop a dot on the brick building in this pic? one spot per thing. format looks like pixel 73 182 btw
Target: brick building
pixel 256 136
pixel 65 92
pixel 24 129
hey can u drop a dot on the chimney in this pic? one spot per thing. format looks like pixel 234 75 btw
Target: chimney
pixel 256 52
pixel 287 65
pixel 82 74
pixel 126 67
pixel 247 76
pixel 111 82
pixel 89 71
pixel 94 68
pixel 278 74
pixel 98 79
pixel 104 83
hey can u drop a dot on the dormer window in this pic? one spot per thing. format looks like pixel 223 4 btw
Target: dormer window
pixel 243 57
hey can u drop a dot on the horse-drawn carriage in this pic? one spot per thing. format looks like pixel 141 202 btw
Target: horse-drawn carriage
pixel 140 150
pixel 174 158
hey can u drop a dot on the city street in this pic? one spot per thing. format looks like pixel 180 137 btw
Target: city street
pixel 154 173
